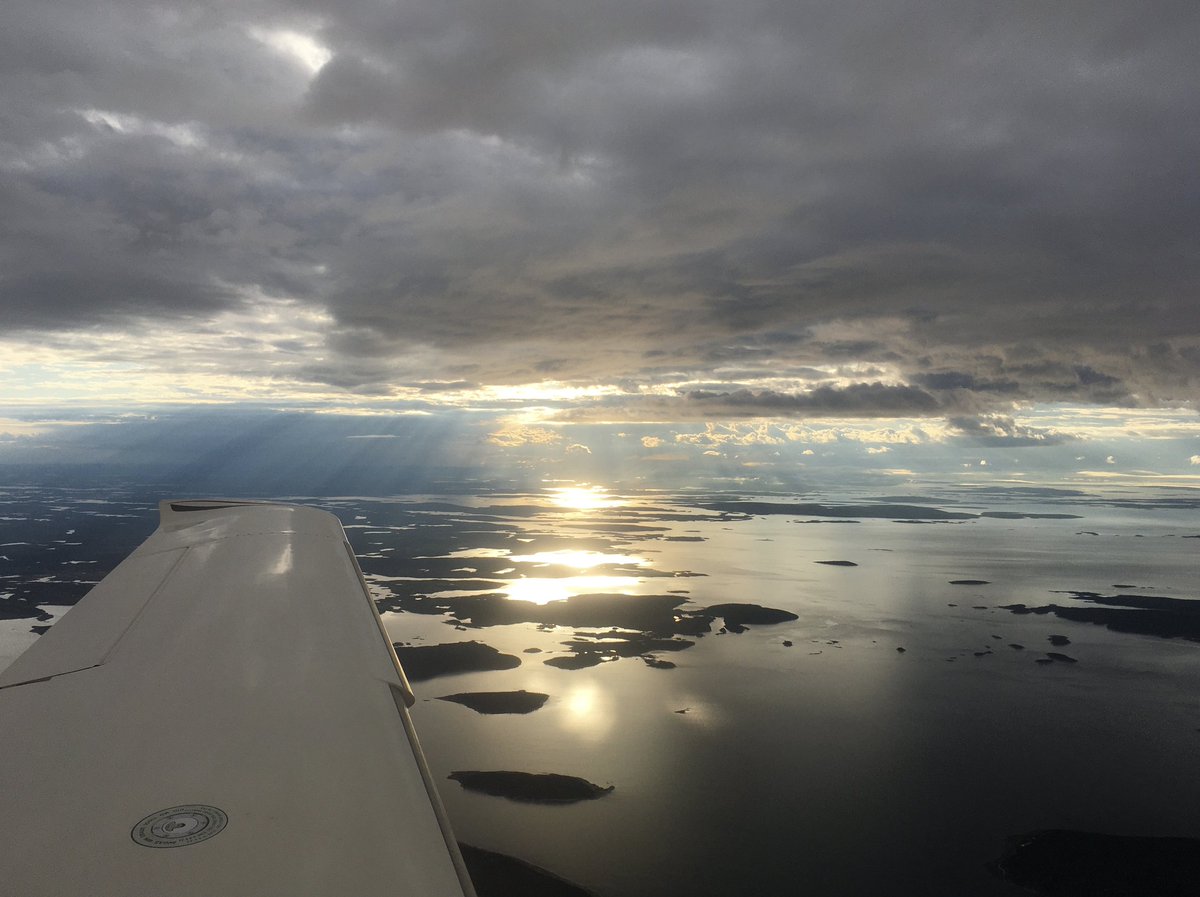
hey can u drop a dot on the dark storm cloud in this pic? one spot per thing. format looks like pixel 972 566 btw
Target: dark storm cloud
pixel 856 400
pixel 995 202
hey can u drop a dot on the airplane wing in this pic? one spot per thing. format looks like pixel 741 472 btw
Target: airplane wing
pixel 223 715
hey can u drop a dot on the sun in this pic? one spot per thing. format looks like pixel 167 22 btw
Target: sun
pixel 583 498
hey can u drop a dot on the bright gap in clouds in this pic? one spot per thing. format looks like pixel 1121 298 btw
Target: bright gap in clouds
pixel 238 355
pixel 294 45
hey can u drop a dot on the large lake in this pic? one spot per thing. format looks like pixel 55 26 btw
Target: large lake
pixel 955 681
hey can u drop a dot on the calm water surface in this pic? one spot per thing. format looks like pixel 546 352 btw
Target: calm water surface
pixel 838 764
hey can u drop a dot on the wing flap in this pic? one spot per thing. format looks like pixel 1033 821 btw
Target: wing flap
pixel 86 635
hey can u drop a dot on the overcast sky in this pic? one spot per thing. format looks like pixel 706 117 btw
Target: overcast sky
pixel 640 210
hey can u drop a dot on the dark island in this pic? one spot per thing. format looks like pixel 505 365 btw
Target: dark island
pixel 427 661
pixel 738 616
pixel 1139 614
pixel 530 787
pixel 1024 515
pixel 885 511
pixel 499 701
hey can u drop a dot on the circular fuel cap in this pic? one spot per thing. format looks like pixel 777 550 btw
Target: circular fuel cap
pixel 179 826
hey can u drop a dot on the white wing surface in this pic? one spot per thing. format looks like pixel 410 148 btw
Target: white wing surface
pixel 223 715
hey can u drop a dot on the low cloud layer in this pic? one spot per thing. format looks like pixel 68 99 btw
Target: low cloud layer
pixel 1000 431
pixel 884 209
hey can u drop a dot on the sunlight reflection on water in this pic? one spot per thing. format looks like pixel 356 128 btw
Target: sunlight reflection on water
pixel 543 591
pixel 581 560
pixel 590 712
pixel 584 498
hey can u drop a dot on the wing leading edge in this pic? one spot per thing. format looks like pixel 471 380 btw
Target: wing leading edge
pixel 222 714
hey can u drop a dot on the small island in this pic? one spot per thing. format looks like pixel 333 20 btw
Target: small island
pixel 427 661
pixel 530 787
pixel 499 701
